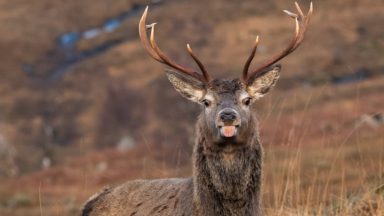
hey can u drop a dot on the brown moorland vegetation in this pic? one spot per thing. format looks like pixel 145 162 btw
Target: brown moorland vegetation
pixel 322 155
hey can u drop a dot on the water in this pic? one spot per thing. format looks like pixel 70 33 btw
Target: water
pixel 65 55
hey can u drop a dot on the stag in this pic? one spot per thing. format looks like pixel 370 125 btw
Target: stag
pixel 227 154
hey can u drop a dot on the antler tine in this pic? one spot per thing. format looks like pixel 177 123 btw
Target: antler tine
pixel 163 57
pixel 198 62
pixel 249 60
pixel 154 51
pixel 301 23
pixel 143 36
pixel 299 9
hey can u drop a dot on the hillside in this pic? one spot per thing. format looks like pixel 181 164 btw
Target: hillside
pixel 100 111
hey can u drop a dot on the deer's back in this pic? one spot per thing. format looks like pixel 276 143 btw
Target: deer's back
pixel 144 197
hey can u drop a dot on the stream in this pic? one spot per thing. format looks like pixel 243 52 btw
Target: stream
pixel 64 55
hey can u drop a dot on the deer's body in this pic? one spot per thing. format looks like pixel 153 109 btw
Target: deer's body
pixel 227 156
pixel 226 180
pixel 144 197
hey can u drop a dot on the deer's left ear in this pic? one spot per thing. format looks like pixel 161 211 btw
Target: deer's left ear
pixel 259 85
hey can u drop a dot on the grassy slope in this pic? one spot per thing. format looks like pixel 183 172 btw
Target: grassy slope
pixel 305 174
pixel 122 87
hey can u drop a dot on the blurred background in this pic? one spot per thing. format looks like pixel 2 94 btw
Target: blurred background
pixel 82 106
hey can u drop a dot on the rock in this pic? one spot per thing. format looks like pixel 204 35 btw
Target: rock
pixel 46 162
pixel 126 143
pixel 373 120
pixel 102 166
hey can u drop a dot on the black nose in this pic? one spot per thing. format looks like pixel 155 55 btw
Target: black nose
pixel 228 115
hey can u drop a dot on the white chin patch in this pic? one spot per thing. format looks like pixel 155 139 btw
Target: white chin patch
pixel 228 131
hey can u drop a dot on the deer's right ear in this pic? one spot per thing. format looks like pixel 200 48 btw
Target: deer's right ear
pixel 187 86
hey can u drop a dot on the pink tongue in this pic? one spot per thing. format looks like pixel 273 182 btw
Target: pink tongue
pixel 228 131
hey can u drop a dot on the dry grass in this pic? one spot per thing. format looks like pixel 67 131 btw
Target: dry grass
pixel 340 180
pixel 338 172
pixel 318 160
pixel 327 163
pixel 325 180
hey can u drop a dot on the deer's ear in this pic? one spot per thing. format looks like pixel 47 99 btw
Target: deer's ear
pixel 187 86
pixel 259 85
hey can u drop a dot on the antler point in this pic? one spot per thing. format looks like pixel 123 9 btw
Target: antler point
pixel 152 25
pixel 297 26
pixel 310 8
pixel 145 11
pixel 289 13
pixel 189 48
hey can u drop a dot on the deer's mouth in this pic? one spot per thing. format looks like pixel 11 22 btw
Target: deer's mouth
pixel 228 131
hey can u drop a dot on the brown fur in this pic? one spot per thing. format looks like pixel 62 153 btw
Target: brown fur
pixel 227 183
pixel 144 197
pixel 226 174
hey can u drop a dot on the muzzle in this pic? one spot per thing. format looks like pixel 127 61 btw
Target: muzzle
pixel 228 120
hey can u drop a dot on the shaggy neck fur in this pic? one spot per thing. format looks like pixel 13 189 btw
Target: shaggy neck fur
pixel 227 180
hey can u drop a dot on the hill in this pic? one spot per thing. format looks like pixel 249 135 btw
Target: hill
pixel 73 108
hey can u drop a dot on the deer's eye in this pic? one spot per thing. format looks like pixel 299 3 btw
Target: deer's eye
pixel 247 101
pixel 206 102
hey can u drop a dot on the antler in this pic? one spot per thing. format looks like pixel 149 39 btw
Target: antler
pixel 154 51
pixel 301 21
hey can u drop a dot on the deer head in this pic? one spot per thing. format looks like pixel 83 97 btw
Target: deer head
pixel 226 104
